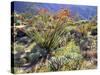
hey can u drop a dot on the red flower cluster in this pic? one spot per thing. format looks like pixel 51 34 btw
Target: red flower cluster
pixel 42 11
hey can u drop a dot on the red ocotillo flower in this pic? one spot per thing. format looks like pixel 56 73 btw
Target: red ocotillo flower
pixel 42 11
pixel 62 14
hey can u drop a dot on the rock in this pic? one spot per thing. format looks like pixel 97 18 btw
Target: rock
pixel 85 44
pixel 24 40
pixel 94 32
pixel 20 33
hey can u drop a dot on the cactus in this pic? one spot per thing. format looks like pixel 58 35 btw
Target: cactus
pixel 55 64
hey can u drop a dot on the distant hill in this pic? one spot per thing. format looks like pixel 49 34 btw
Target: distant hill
pixel 84 12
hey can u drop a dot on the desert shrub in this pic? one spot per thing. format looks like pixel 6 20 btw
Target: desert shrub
pixel 18 71
pixel 73 56
pixel 55 64
pixel 43 68
pixel 49 39
pixel 69 55
pixel 70 49
pixel 88 65
pixel 18 48
pixel 72 64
